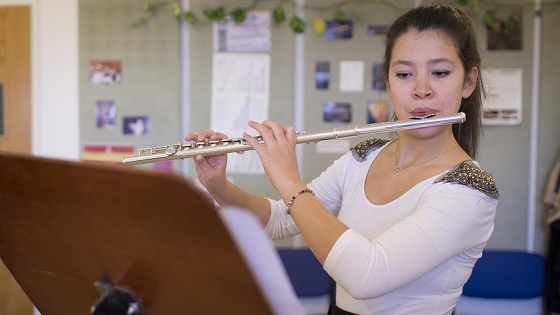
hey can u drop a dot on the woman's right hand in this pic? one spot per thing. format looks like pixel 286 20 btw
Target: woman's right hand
pixel 211 170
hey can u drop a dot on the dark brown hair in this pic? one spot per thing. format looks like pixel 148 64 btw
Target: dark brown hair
pixel 456 23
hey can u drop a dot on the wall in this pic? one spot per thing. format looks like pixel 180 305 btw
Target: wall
pixel 498 154
pixel 548 132
pixel 505 149
pixel 150 73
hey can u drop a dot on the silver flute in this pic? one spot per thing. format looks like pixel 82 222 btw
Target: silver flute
pixel 240 145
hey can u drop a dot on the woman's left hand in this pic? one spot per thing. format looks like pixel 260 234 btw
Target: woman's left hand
pixel 277 154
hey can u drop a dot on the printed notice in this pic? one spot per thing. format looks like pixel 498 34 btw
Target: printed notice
pixel 240 92
pixel 504 96
pixel 252 35
pixel 351 76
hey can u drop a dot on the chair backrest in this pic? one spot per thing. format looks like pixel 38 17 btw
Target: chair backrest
pixel 305 272
pixel 506 274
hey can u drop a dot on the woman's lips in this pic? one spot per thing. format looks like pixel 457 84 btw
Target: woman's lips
pixel 423 112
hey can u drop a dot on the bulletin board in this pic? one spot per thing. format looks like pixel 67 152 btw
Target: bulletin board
pixel 129 81
pixel 358 55
pixel 340 86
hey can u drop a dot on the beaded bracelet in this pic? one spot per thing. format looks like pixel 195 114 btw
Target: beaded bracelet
pixel 295 196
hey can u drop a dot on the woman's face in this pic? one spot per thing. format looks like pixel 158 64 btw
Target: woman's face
pixel 426 75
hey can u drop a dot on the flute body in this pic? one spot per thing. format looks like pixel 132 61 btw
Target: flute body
pixel 239 145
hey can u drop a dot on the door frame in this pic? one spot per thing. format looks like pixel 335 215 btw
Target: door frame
pixel 54 46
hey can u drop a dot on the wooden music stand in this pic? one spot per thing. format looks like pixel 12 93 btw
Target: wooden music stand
pixel 66 225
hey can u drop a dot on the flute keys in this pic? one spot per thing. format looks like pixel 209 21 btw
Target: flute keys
pixel 171 149
pixel 152 150
pixel 213 143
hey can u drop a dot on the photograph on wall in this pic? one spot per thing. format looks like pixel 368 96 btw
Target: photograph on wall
pixel 136 125
pixel 504 29
pixel 105 114
pixel 337 112
pixel 336 30
pixel 322 75
pixel 377 111
pixel 106 153
pixel 503 103
pixel 164 166
pixel 377 74
pixel 376 30
pixel 105 72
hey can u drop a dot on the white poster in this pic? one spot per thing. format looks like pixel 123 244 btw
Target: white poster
pixel 240 92
pixel 252 35
pixel 503 105
pixel 351 76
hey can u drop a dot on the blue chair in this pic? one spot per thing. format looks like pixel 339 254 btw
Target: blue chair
pixel 504 282
pixel 313 286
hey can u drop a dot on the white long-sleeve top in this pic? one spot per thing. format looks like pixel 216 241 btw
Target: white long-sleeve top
pixel 410 256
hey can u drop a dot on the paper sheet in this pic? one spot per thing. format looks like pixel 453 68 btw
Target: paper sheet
pixel 351 76
pixel 504 89
pixel 240 92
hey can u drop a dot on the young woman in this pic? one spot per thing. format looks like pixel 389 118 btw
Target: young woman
pixel 397 224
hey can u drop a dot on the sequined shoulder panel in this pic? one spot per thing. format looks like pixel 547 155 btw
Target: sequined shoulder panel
pixel 469 174
pixel 364 148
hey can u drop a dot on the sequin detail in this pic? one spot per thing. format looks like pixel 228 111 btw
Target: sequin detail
pixel 364 148
pixel 468 174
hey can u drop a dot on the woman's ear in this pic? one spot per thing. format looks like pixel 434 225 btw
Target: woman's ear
pixel 470 82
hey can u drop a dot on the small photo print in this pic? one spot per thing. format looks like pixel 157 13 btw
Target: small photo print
pixel 322 75
pixel 375 30
pixel 105 114
pixel 338 30
pixel 377 111
pixel 136 125
pixel 504 29
pixel 337 112
pixel 377 74
pixel 105 72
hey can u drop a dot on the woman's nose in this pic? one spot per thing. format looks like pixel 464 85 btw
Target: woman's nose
pixel 422 89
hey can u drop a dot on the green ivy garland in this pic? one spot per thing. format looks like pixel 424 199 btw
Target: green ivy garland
pixel 338 11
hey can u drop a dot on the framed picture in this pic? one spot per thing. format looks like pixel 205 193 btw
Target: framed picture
pixel 337 112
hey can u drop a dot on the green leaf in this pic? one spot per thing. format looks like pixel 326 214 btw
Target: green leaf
pixel 176 9
pixel 238 15
pixel 338 15
pixel 489 20
pixel 510 23
pixel 278 16
pixel 190 17
pixel 216 15
pixel 220 13
pixel 297 24
pixel 208 13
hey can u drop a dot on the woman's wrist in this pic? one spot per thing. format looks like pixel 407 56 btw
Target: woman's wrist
pixel 290 203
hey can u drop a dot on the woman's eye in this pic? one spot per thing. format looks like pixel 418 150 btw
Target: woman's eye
pixel 403 75
pixel 441 74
